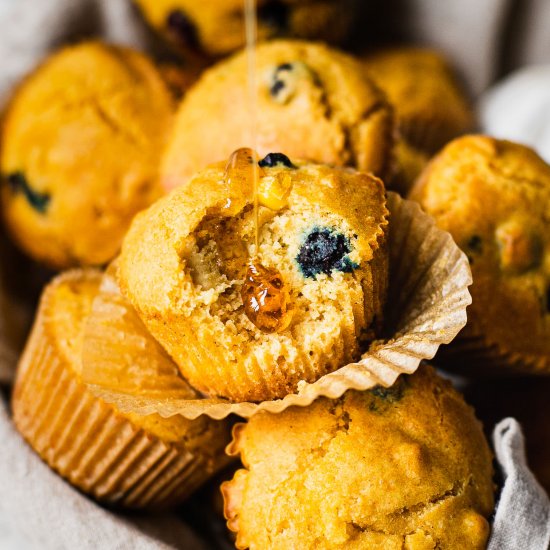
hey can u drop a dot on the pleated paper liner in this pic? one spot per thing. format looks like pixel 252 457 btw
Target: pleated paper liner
pixel 428 299
pixel 90 443
pixel 428 296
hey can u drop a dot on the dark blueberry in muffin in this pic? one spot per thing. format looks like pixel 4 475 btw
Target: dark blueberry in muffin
pixel 278 84
pixel 276 159
pixel 391 395
pixel 183 29
pixel 324 250
pixel 18 184
pixel 274 14
pixel 387 396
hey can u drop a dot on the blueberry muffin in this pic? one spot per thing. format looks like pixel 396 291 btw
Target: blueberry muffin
pixel 80 148
pixel 400 467
pixel 312 298
pixel 121 459
pixel 312 102
pixel 430 106
pixel 494 197
pixel 216 27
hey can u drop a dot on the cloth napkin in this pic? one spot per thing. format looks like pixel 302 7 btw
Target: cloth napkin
pixel 49 514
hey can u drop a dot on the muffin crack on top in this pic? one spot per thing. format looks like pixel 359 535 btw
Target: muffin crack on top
pixel 412 471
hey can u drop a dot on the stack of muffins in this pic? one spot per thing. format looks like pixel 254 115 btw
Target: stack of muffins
pixel 107 158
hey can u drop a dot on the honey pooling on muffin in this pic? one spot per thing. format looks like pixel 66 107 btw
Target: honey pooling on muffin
pixel 265 298
pixel 264 295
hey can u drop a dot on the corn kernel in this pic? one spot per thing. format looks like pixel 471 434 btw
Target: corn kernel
pixel 274 190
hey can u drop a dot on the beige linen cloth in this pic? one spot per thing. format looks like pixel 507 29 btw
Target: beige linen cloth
pixel 479 35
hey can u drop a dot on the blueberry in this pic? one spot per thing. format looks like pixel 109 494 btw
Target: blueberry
pixel 18 184
pixel 274 14
pixel 179 23
pixel 275 159
pixel 276 87
pixel 387 396
pixel 324 250
pixel 391 395
pixel 278 84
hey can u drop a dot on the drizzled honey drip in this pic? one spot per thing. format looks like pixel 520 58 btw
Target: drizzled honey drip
pixel 265 298
pixel 242 174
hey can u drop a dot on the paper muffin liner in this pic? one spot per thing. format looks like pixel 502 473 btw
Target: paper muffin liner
pixel 91 444
pixel 428 296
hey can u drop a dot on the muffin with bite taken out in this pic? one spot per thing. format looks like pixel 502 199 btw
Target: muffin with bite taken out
pixel 250 323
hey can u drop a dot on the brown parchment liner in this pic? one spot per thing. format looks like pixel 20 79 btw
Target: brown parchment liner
pixel 428 296
pixel 91 444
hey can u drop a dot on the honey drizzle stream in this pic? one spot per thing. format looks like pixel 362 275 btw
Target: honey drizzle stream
pixel 266 299
pixel 251 31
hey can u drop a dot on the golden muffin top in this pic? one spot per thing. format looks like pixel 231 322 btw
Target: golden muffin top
pixel 406 466
pixel 250 323
pixel 65 307
pixel 153 265
pixel 81 142
pixel 313 103
pixel 494 198
pixel 423 89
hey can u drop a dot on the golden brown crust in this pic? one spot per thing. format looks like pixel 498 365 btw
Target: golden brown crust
pixel 227 355
pixel 81 143
pixel 493 197
pixel 378 469
pixel 121 459
pixel 313 103
pixel 430 106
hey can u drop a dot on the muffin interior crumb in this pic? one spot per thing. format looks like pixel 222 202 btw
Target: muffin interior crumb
pixel 322 304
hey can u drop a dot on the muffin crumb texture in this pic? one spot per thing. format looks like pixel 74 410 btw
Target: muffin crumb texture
pixel 313 103
pixel 493 196
pixel 81 145
pixel 400 468
pixel 184 263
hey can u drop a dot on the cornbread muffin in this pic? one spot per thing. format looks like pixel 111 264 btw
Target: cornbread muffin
pixel 80 149
pixel 525 399
pixel 430 106
pixel 185 263
pixel 216 27
pixel 392 468
pixel 312 102
pixel 122 459
pixel 494 198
